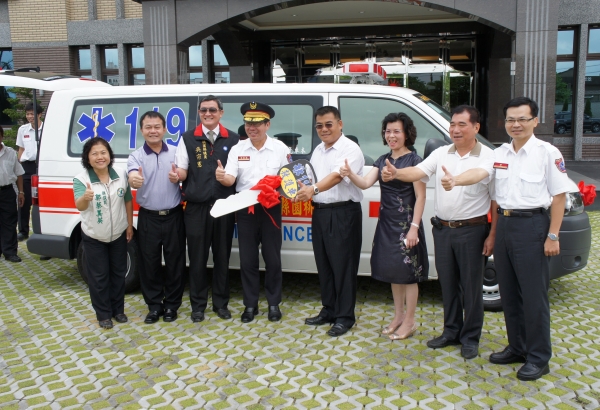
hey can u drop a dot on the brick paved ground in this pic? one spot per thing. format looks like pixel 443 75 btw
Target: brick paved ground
pixel 53 355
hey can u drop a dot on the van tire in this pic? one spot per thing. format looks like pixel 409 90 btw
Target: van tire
pixel 491 292
pixel 132 277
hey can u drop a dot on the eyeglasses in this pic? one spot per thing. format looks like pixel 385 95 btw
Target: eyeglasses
pixel 328 125
pixel 387 133
pixel 254 123
pixel 211 110
pixel 522 121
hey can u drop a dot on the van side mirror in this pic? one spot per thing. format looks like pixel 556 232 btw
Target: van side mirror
pixel 432 144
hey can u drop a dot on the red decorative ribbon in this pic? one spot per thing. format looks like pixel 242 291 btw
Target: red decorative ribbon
pixel 268 196
pixel 587 192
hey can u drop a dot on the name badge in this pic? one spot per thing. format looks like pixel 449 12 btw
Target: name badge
pixel 500 165
pixel 26 136
pixel 243 158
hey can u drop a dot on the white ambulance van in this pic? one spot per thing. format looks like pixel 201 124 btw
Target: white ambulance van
pixel 113 113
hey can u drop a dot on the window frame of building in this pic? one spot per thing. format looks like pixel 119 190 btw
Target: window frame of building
pixel 216 68
pixel 195 69
pixel 78 71
pixel 591 125
pixel 131 70
pixel 106 72
pixel 568 58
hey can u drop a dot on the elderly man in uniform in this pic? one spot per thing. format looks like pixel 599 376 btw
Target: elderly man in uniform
pixel 461 232
pixel 196 158
pixel 151 170
pixel 27 143
pixel 336 221
pixel 530 176
pixel 10 172
pixel 248 162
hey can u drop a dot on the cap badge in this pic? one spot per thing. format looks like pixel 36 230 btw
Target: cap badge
pixel 253 106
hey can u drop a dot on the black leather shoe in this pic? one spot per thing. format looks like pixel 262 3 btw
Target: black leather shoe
pixel 337 330
pixel 223 313
pixel 197 317
pixel 317 321
pixel 12 258
pixel 170 315
pixel 507 356
pixel 105 324
pixel 152 317
pixel 274 314
pixel 530 371
pixel 469 352
pixel 440 342
pixel 21 237
pixel 248 315
pixel 121 318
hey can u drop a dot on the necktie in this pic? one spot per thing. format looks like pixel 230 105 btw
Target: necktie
pixel 211 136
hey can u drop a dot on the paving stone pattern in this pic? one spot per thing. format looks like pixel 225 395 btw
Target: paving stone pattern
pixel 53 355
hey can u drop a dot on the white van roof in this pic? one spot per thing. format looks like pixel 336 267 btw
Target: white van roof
pixel 46 81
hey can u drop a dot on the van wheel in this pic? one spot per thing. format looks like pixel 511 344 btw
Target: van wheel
pixel 132 277
pixel 491 292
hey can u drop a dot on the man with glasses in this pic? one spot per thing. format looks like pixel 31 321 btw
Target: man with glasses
pixel 461 233
pixel 249 162
pixel 530 176
pixel 197 158
pixel 336 221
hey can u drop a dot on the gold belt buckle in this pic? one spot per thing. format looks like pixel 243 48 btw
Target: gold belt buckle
pixel 163 213
pixel 506 212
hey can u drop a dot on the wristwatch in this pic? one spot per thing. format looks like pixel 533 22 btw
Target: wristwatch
pixel 553 237
pixel 21 192
pixel 316 190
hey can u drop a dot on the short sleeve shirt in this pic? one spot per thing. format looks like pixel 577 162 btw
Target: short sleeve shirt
pixel 10 168
pixel 463 202
pixel 249 165
pixel 26 140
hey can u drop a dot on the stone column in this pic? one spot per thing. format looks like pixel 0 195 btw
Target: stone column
pixel 96 62
pixel 579 102
pixel 160 42
pixel 123 64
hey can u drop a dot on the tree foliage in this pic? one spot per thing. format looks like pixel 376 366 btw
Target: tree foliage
pixel 16 112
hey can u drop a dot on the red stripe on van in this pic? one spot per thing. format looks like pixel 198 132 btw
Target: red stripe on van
pixel 63 198
pixel 374 209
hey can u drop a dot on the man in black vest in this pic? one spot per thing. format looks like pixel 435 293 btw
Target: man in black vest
pixel 196 159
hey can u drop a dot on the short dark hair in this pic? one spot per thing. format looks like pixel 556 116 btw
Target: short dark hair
pixel 474 116
pixel 1 132
pixel 328 109
pixel 29 107
pixel 519 101
pixel 85 155
pixel 152 114
pixel 211 98
pixel 410 132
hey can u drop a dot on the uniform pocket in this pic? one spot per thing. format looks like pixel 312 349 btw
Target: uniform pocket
pixel 244 164
pixel 501 184
pixel 531 184
pixel 475 190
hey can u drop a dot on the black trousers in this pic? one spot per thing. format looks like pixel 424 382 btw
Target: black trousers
pixel 106 264
pixel 161 235
pixel 460 265
pixel 8 221
pixel 337 240
pixel 25 211
pixel 254 230
pixel 204 233
pixel 524 277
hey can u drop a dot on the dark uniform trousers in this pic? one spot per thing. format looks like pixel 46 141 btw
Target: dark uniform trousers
pixel 337 241
pixel 254 230
pixel 460 266
pixel 8 220
pixel 106 265
pixel 524 278
pixel 204 233
pixel 25 211
pixel 159 234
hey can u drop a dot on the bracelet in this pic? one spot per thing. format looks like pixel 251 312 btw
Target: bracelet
pixel 21 192
pixel 415 225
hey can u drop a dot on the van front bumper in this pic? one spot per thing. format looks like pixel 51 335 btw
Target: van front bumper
pixel 575 242
pixel 49 245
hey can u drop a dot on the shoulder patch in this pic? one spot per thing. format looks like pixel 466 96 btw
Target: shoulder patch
pixel 560 164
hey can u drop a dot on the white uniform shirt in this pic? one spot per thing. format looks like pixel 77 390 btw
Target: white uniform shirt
pixel 326 161
pixel 463 202
pixel 529 178
pixel 10 168
pixel 26 140
pixel 182 158
pixel 250 165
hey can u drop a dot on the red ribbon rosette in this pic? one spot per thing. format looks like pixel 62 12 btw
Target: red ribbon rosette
pixel 268 196
pixel 588 192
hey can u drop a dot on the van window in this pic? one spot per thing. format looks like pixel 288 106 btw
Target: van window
pixel 293 123
pixel 117 121
pixel 362 118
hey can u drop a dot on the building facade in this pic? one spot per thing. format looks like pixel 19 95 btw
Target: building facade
pixel 454 51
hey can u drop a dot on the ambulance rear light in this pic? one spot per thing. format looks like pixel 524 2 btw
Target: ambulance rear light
pixel 35 179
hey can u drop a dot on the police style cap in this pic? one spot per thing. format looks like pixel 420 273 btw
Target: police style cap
pixel 256 112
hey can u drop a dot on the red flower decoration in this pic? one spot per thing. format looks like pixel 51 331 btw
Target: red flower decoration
pixel 587 192
pixel 269 196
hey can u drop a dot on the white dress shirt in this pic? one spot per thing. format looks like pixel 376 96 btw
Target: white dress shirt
pixel 325 161
pixel 26 140
pixel 462 202
pixel 10 168
pixel 249 165
pixel 182 159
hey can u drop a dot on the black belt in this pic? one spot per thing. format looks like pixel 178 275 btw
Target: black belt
pixel 319 205
pixel 2 188
pixel 478 220
pixel 520 212
pixel 163 212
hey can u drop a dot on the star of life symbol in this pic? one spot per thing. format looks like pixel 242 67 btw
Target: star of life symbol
pixel 96 125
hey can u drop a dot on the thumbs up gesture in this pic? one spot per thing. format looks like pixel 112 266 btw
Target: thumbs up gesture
pixel 345 169
pixel 388 173
pixel 220 172
pixel 89 193
pixel 448 181
pixel 173 175
pixel 137 180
